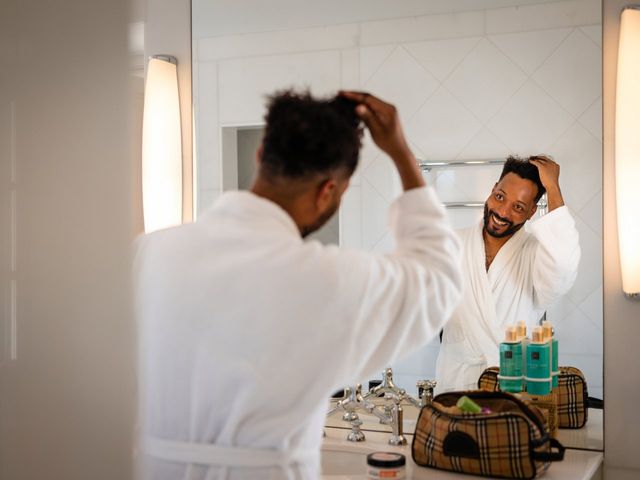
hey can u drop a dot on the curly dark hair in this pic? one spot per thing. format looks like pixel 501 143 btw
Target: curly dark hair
pixel 305 136
pixel 524 169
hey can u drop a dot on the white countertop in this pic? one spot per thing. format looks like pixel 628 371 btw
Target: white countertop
pixel 589 437
pixel 344 460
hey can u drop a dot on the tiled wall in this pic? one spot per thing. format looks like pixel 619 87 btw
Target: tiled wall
pixel 470 85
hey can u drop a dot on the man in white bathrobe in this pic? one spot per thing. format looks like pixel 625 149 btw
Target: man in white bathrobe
pixel 246 329
pixel 511 274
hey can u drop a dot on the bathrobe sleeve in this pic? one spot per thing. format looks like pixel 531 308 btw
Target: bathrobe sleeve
pixel 555 263
pixel 406 296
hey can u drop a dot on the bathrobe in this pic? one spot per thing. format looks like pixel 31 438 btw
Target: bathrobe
pixel 531 270
pixel 245 330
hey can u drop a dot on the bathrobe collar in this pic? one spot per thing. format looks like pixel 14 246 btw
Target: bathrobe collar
pixel 243 205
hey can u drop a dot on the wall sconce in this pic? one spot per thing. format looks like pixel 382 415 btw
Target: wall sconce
pixel 627 149
pixel 161 146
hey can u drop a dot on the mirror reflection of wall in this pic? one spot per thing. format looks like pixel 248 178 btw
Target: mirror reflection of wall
pixel 510 77
pixel 239 167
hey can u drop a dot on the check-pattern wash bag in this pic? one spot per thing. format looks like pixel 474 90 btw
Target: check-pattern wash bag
pixel 573 397
pixel 509 442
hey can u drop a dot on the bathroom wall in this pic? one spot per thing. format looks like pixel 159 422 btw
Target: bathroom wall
pixel 622 326
pixel 167 24
pixel 468 85
pixel 67 390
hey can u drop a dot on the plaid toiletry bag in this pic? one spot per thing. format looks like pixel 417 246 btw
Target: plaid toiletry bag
pixel 573 397
pixel 509 442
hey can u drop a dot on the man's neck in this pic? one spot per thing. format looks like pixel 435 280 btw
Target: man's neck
pixel 281 197
pixel 492 246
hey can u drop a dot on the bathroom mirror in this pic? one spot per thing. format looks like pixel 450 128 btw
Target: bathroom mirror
pixel 473 80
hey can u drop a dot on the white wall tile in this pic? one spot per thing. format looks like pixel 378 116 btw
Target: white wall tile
pixel 530 122
pixel 590 269
pixel 372 58
pixel 542 16
pixel 591 213
pixel 560 310
pixel 369 151
pixel 529 49
pixel 485 80
pixel 594 32
pixel 383 176
pixel 485 145
pixel 440 57
pixel 350 217
pixel 278 42
pixel 350 69
pixel 576 334
pixel 571 75
pixel 407 90
pixel 592 119
pixel 592 307
pixel 428 27
pixel 442 127
pixel 374 215
pixel 244 83
pixel 580 158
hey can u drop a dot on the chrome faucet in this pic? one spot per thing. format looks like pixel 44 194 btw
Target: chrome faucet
pixel 390 413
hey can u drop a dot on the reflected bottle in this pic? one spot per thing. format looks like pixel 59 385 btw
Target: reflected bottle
pixel 511 362
pixel 538 376
pixel 549 335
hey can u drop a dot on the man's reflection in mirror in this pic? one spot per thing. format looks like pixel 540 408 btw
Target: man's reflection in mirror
pixel 511 273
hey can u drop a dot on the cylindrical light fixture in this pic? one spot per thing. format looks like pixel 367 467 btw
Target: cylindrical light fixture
pixel 627 149
pixel 161 146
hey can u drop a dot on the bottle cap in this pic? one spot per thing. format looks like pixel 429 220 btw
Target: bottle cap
pixel 547 329
pixel 386 459
pixel 537 335
pixel 511 334
pixel 522 329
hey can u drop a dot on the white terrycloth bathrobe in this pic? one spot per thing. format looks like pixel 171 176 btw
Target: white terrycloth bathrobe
pixel 246 330
pixel 530 271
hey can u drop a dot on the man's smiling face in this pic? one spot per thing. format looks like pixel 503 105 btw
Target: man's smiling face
pixel 511 203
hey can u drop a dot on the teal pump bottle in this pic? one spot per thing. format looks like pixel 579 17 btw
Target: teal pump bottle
pixel 538 376
pixel 510 377
pixel 548 333
pixel 521 329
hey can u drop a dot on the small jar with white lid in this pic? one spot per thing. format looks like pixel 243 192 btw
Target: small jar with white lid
pixel 382 465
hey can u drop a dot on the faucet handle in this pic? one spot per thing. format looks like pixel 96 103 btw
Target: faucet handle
pixel 425 390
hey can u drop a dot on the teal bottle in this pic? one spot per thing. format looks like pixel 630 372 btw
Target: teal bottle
pixel 538 376
pixel 511 377
pixel 549 336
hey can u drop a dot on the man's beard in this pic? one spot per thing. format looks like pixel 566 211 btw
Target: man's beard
pixel 511 229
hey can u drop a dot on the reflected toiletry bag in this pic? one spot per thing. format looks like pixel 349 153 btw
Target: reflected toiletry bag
pixel 509 442
pixel 572 394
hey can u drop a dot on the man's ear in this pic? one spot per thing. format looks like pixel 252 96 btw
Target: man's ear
pixel 259 154
pixel 325 193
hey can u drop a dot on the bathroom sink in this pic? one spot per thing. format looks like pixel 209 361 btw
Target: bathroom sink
pixel 342 459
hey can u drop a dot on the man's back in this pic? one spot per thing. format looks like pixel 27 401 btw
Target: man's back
pixel 245 329
pixel 237 313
